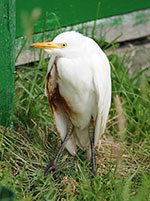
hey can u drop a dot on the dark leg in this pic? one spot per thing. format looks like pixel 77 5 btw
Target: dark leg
pixel 92 142
pixel 53 165
pixel 93 155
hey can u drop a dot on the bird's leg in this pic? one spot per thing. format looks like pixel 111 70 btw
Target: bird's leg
pixel 93 155
pixel 92 143
pixel 53 165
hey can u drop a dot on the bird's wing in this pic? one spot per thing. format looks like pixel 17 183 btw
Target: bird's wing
pixel 102 86
pixel 60 117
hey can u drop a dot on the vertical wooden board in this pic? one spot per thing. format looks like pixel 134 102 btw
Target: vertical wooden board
pixel 7 60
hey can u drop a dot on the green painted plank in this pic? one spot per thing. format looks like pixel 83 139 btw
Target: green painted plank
pixel 7 55
pixel 67 11
pixel 131 26
pixel 71 12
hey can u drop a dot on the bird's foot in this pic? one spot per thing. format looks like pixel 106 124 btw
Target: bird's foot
pixel 52 167
pixel 92 174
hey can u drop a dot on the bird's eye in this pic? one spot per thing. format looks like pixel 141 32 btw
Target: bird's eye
pixel 64 44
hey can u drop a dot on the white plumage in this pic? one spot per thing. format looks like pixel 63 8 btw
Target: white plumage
pixel 78 87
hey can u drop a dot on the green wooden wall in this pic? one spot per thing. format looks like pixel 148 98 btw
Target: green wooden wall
pixel 71 12
pixel 7 60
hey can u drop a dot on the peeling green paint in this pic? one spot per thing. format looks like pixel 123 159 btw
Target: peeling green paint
pixel 141 18
pixel 117 21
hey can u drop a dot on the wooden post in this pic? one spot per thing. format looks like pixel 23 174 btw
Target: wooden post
pixel 7 60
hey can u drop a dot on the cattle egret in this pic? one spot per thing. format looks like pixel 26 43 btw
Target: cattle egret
pixel 78 86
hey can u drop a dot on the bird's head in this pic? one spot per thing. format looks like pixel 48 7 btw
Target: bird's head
pixel 66 44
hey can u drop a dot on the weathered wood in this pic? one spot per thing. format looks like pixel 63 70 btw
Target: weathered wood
pixel 7 60
pixel 132 25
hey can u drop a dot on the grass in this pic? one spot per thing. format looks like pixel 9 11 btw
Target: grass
pixel 123 154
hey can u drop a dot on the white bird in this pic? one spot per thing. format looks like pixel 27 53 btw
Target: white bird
pixel 78 86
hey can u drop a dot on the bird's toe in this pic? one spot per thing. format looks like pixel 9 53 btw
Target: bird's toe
pixel 52 167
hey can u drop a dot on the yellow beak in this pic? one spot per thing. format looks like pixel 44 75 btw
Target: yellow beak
pixel 45 45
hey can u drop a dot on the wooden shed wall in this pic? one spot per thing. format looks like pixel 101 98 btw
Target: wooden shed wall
pixel 71 12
